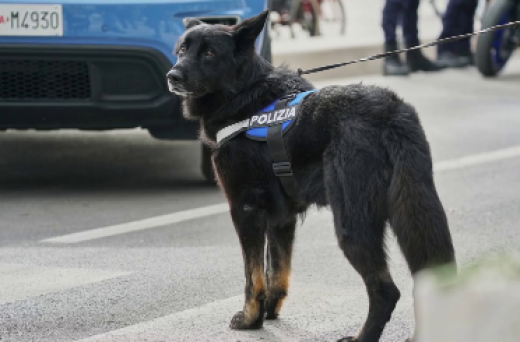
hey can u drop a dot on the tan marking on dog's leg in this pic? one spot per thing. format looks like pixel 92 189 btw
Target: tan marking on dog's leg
pixel 282 286
pixel 280 245
pixel 278 287
pixel 252 314
pixel 255 295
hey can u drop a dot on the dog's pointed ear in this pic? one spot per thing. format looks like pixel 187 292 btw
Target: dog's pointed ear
pixel 248 30
pixel 191 22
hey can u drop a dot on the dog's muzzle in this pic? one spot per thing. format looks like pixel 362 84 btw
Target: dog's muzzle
pixel 175 76
pixel 175 81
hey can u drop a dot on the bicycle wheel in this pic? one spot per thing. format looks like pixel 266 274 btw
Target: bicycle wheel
pixel 332 17
pixel 305 13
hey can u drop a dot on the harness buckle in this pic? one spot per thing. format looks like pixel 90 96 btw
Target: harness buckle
pixel 282 169
pixel 288 97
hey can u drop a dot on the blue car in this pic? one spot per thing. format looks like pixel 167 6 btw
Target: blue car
pixel 101 64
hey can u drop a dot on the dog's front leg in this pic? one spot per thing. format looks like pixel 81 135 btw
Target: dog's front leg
pixel 280 240
pixel 250 226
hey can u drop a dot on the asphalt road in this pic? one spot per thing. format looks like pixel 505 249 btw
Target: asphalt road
pixel 146 267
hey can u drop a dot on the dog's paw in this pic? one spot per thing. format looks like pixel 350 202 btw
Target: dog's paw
pixel 270 309
pixel 348 339
pixel 240 322
pixel 271 316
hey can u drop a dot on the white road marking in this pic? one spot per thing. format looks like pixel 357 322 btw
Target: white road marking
pixel 312 312
pixel 477 159
pixel 191 214
pixel 153 222
pixel 19 282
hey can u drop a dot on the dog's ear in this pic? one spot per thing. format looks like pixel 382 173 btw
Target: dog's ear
pixel 248 30
pixel 191 22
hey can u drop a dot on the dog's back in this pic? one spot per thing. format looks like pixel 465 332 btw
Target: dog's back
pixel 374 152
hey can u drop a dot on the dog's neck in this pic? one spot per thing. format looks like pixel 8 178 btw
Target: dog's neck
pixel 262 84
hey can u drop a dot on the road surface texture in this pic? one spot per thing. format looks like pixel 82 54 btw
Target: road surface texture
pixel 115 237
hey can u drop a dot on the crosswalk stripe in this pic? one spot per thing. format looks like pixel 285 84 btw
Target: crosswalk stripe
pixel 19 282
pixel 478 159
pixel 154 222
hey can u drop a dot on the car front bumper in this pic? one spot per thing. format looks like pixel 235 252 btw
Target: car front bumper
pixel 91 87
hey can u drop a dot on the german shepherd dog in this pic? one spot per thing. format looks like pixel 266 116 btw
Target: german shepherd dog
pixel 358 149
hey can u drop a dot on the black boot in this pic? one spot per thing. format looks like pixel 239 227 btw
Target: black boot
pixel 392 65
pixel 418 62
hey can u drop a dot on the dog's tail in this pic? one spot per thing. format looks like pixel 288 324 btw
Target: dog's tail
pixel 415 210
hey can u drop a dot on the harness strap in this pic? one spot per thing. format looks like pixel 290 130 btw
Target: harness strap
pixel 231 131
pixel 256 126
pixel 281 165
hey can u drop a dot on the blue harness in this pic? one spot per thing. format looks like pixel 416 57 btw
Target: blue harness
pixel 260 133
pixel 269 125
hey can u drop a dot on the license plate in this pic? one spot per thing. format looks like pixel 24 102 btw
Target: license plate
pixel 31 20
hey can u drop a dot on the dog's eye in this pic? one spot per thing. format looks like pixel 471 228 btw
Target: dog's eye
pixel 209 53
pixel 182 49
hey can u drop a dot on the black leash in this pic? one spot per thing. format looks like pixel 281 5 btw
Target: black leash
pixel 385 54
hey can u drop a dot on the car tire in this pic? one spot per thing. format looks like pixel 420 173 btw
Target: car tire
pixel 207 165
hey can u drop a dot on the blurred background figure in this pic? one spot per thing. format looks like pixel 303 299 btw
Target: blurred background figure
pixel 457 20
pixel 403 12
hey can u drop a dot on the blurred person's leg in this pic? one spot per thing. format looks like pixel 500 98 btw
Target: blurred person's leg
pixel 458 19
pixel 283 10
pixel 410 23
pixel 415 58
pixel 468 26
pixel 392 15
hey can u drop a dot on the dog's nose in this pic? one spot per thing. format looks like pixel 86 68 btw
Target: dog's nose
pixel 175 76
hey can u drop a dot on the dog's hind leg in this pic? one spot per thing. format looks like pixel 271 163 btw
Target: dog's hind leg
pixel 251 228
pixel 280 240
pixel 357 184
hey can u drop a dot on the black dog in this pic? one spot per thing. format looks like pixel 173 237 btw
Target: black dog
pixel 359 149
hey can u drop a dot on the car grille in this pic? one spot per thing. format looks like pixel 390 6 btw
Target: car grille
pixel 126 78
pixel 44 80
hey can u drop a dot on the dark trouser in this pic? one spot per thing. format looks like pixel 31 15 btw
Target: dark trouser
pixel 402 12
pixel 458 19
pixel 279 5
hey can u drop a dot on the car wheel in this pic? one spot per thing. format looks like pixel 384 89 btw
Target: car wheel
pixel 207 165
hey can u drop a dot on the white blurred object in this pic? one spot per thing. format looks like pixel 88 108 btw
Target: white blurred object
pixel 481 304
